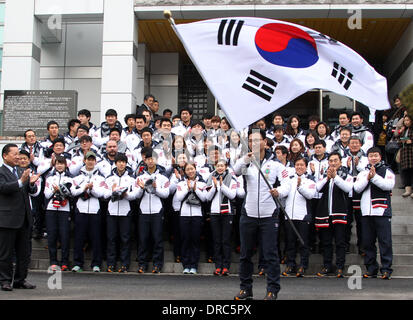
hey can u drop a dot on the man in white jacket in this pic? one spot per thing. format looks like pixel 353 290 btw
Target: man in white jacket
pixel 88 186
pixel 259 215
pixel 121 190
pixel 375 184
pixel 152 187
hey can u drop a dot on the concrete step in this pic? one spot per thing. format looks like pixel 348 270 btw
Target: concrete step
pixel 208 268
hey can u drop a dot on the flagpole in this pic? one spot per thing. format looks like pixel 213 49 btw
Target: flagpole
pixel 168 16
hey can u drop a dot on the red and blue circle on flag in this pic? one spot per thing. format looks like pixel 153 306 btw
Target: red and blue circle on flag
pixel 285 45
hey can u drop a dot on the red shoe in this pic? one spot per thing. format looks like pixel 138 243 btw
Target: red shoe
pixel 64 268
pixel 225 272
pixel 217 272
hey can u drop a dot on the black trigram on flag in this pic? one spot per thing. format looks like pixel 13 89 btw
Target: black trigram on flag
pixel 343 74
pixel 260 85
pixel 230 32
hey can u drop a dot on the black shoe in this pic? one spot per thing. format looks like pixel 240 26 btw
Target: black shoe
pixel 123 269
pixel 156 270
pixel 270 296
pixel 261 273
pixel 288 271
pixel 24 285
pixel 386 276
pixel 300 273
pixel 370 275
pixel 6 287
pixel 340 273
pixel 141 269
pixel 324 272
pixel 243 295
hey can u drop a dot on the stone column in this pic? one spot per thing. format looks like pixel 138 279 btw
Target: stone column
pixel 21 47
pixel 119 58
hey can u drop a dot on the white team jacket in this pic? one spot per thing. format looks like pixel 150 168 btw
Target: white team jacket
pixel 215 194
pixel 151 203
pixel 120 207
pixel 320 168
pixel 386 183
pixel 259 202
pixel 296 197
pixel 188 210
pixel 57 179
pixel 91 205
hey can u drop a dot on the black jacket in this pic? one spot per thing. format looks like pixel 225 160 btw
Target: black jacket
pixel 14 201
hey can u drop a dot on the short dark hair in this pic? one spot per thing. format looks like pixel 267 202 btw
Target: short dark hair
pixel 121 157
pixel 61 159
pixel 198 123
pixel 346 129
pixel 142 117
pixel 301 158
pixel 24 134
pixel 147 96
pixel 7 147
pixel 283 149
pixel 165 120
pixel 186 109
pixel 84 112
pixel 85 138
pixel 319 141
pixel 115 129
pixel 177 116
pixel 167 111
pixel 111 112
pixel 83 127
pixel 25 153
pixel 207 116
pixel 374 150
pixel 278 127
pixel 72 122
pixel 145 150
pixel 254 130
pixel 50 123
pixel 57 140
pixel 344 112
pixel 151 154
pixel 356 114
pixel 146 129
pixel 128 116
pixel 355 138
pixel 313 117
pixel 334 153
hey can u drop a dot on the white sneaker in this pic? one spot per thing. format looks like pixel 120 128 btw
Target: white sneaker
pixel 186 271
pixel 96 269
pixel 193 271
pixel 76 269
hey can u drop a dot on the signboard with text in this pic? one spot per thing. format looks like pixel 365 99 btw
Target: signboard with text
pixel 33 109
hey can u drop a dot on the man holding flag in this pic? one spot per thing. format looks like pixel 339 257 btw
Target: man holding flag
pixel 259 215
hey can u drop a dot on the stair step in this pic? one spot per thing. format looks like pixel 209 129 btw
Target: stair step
pixel 208 268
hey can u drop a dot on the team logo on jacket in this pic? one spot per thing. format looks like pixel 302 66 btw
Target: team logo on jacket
pixel 286 46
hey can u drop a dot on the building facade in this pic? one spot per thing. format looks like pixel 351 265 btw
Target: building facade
pixel 112 52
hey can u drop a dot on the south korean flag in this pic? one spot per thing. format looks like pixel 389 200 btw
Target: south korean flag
pixel 254 66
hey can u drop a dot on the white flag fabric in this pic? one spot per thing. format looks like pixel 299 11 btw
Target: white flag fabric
pixel 254 66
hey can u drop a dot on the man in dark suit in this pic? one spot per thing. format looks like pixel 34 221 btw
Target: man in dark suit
pixel 15 220
pixel 148 100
